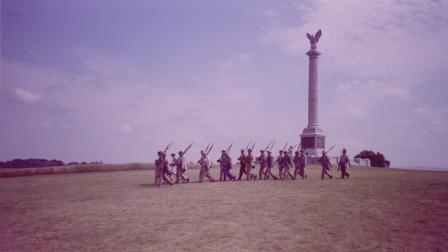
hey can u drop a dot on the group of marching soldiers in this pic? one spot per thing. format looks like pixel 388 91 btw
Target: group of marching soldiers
pixel 164 170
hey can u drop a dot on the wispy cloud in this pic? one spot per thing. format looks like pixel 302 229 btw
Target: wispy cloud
pixel 26 95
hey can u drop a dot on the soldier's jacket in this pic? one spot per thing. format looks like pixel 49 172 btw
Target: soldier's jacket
pixel 343 160
pixel 158 164
pixel 222 161
pixel 262 160
pixel 205 164
pixel 242 160
pixel 180 163
pixel 249 160
pixel 269 161
pixel 280 161
pixel 296 161
pixel 325 161
pixel 228 162
pixel 286 161
pixel 302 160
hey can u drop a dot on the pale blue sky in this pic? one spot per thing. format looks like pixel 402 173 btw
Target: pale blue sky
pixel 117 80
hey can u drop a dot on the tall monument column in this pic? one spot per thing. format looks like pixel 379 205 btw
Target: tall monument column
pixel 312 138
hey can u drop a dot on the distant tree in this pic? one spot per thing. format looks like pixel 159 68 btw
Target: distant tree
pixel 376 159
pixel 31 162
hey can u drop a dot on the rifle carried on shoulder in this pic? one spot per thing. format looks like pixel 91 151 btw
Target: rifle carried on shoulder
pixel 331 148
pixel 272 146
pixel 228 148
pixel 186 149
pixel 167 147
pixel 210 149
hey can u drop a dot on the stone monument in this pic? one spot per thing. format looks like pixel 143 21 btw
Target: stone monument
pixel 312 138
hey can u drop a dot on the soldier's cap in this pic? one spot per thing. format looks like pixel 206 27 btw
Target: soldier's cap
pixel 323 152
pixel 269 152
pixel 223 151
pixel 159 152
pixel 261 150
pixel 249 150
pixel 297 152
pixel 173 154
pixel 280 151
pixel 344 150
pixel 181 152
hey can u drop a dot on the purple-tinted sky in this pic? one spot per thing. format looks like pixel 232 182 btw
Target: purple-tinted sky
pixel 117 80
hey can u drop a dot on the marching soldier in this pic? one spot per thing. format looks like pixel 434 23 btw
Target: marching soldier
pixel 343 162
pixel 269 165
pixel 249 164
pixel 326 165
pixel 161 166
pixel 173 165
pixel 296 162
pixel 262 160
pixel 181 169
pixel 287 164
pixel 227 167
pixel 280 164
pixel 221 161
pixel 205 168
pixel 242 160
pixel 302 164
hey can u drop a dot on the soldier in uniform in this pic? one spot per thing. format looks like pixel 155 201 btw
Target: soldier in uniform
pixel 344 161
pixel 287 164
pixel 205 168
pixel 326 165
pixel 173 163
pixel 280 164
pixel 302 164
pixel 162 170
pixel 222 172
pixel 249 164
pixel 296 162
pixel 181 169
pixel 269 165
pixel 227 160
pixel 242 160
pixel 262 161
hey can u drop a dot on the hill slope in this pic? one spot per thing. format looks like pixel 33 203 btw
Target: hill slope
pixel 376 209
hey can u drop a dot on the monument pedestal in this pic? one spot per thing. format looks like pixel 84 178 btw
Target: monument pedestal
pixel 312 140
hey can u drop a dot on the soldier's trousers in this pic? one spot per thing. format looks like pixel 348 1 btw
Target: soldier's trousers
pixel 269 172
pixel 261 172
pixel 287 173
pixel 325 172
pixel 166 179
pixel 205 173
pixel 242 171
pixel 344 171
pixel 227 174
pixel 248 172
pixel 280 172
pixel 302 172
pixel 178 176
pixel 296 172
pixel 157 177
pixel 222 174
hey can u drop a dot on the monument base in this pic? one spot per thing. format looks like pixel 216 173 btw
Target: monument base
pixel 312 140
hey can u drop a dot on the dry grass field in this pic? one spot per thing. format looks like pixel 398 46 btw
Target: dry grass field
pixel 374 210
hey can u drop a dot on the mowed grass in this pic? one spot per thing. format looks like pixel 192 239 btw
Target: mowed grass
pixel 376 209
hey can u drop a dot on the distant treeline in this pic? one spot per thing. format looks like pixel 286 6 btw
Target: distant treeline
pixel 37 162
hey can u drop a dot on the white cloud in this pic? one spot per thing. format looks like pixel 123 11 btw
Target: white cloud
pixel 26 95
pixel 125 129
pixel 238 59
